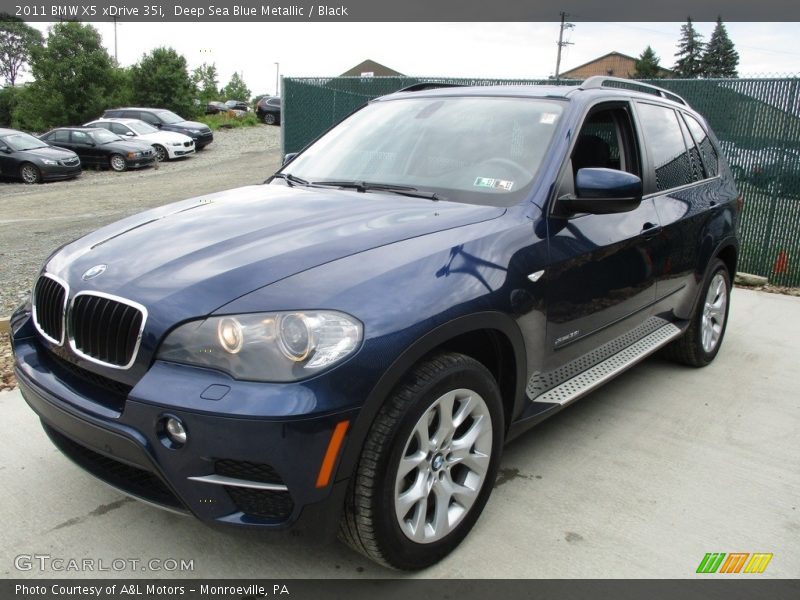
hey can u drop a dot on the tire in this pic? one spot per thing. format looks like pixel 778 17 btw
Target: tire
pixel 701 342
pixel 161 153
pixel 30 173
pixel 391 517
pixel 269 119
pixel 117 163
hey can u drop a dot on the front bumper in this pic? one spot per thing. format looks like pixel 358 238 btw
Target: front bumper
pixel 59 172
pixel 236 470
pixel 138 163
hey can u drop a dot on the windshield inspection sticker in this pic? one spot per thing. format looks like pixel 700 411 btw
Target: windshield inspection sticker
pixel 548 118
pixel 498 184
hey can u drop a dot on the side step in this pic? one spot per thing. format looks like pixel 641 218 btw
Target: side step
pixel 585 382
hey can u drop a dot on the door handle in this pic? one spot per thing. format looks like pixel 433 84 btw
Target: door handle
pixel 650 230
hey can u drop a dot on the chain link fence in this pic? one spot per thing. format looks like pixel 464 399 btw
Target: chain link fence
pixel 756 120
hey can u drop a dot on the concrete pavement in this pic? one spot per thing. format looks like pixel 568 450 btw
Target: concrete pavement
pixel 639 479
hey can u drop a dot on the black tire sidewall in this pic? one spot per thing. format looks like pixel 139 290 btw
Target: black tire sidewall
pixel 707 357
pixel 398 549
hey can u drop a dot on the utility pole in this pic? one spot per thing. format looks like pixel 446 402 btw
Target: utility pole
pixel 277 79
pixel 115 41
pixel 561 42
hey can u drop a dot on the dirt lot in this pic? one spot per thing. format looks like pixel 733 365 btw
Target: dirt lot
pixel 36 219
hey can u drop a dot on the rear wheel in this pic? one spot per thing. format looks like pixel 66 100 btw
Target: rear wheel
pixel 30 173
pixel 269 119
pixel 161 152
pixel 428 464
pixel 702 340
pixel 117 162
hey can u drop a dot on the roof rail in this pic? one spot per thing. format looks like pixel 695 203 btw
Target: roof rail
pixel 429 85
pixel 599 81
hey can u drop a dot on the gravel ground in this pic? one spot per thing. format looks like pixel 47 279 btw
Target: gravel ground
pixel 36 219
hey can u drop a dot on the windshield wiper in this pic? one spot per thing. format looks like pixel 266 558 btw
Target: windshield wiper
pixel 292 180
pixel 364 186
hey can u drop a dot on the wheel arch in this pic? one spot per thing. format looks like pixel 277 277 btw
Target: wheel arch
pixel 491 338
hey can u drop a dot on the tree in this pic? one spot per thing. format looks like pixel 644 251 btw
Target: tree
pixel 161 79
pixel 74 79
pixel 647 66
pixel 236 89
pixel 690 52
pixel 17 38
pixel 720 58
pixel 205 80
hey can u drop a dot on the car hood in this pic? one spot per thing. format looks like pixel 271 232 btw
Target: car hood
pixel 126 146
pixel 51 153
pixel 191 125
pixel 165 137
pixel 187 259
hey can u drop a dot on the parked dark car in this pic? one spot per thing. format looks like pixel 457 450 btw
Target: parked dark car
pixel 348 346
pixel 214 107
pixel 25 157
pixel 237 105
pixel 166 120
pixel 269 110
pixel 99 147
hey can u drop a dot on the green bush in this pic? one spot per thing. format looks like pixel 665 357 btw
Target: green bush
pixel 228 121
pixel 9 98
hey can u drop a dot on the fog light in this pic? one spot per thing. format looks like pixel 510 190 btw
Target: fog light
pixel 176 431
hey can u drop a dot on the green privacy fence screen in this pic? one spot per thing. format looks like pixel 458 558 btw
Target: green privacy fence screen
pixel 756 120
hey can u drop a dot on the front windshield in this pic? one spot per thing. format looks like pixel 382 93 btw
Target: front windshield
pixel 22 141
pixel 479 150
pixel 142 128
pixel 103 136
pixel 169 117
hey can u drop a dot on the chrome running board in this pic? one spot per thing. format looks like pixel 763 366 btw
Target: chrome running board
pixel 585 382
pixel 232 481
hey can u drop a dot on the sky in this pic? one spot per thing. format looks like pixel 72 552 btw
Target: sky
pixel 481 50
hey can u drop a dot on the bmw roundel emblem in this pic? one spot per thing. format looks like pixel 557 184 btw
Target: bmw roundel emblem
pixel 94 272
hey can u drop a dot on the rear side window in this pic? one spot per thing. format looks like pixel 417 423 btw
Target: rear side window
pixel 60 136
pixel 707 150
pixel 662 134
pixel 274 102
pixel 79 137
pixel 146 117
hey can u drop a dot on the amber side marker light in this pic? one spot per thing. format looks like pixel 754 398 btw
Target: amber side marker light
pixel 337 437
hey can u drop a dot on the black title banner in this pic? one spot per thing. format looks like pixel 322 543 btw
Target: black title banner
pixel 399 589
pixel 400 11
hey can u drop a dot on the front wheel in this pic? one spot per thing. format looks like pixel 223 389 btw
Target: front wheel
pixel 702 340
pixel 161 153
pixel 30 173
pixel 428 464
pixel 117 163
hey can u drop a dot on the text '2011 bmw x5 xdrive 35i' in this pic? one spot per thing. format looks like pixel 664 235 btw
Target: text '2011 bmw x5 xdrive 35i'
pixel 348 346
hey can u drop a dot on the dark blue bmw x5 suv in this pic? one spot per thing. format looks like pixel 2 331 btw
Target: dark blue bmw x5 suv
pixel 348 346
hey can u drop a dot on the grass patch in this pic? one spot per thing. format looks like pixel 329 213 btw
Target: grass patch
pixel 228 121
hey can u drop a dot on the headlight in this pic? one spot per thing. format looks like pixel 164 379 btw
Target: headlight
pixel 285 346
pixel 47 161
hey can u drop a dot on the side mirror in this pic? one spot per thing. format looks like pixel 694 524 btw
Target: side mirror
pixel 129 133
pixel 289 157
pixel 603 191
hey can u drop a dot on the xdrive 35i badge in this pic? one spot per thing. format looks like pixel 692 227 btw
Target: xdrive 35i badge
pixel 94 272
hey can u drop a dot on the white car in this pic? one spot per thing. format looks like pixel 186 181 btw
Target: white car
pixel 167 144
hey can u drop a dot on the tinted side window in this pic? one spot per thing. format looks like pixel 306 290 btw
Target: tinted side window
pixel 707 150
pixel 79 137
pixel 698 173
pixel 118 129
pixel 147 118
pixel 59 136
pixel 102 125
pixel 662 134
pixel 274 102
